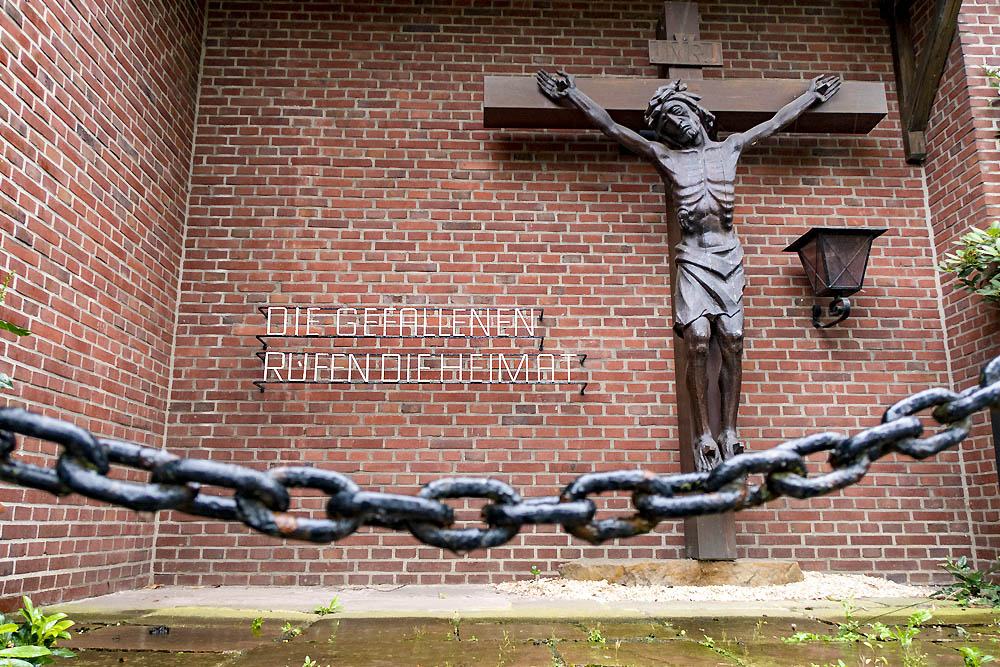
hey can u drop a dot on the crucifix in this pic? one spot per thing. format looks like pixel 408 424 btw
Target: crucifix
pixel 699 171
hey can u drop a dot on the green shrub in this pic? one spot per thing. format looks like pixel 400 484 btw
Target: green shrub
pixel 33 642
pixel 975 262
pixel 5 381
pixel 972 587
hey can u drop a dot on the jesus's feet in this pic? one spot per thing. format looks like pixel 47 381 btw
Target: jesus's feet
pixel 729 444
pixel 706 453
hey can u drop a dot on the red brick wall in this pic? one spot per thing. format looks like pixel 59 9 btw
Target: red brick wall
pixel 340 160
pixel 96 122
pixel 963 185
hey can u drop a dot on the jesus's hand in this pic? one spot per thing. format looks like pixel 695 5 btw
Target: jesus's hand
pixel 555 87
pixel 825 87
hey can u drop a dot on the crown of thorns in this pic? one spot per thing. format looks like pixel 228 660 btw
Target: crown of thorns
pixel 677 91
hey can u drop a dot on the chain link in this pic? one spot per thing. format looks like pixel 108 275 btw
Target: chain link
pixel 261 500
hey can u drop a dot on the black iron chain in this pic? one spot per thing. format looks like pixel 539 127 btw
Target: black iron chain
pixel 261 499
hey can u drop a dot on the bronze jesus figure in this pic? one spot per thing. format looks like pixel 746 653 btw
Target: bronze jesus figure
pixel 699 173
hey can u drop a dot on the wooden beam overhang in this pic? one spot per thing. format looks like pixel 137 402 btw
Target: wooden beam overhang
pixel 917 85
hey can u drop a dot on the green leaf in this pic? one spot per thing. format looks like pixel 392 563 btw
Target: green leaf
pixel 24 652
pixel 29 612
pixel 7 627
pixel 15 662
pixel 6 382
pixel 13 328
pixel 63 653
pixel 59 628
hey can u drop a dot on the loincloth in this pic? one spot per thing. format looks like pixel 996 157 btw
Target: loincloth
pixel 709 283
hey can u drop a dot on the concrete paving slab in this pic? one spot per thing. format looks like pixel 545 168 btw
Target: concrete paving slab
pixel 416 625
pixel 776 654
pixel 209 639
pixel 626 630
pixel 973 632
pixel 221 616
pixel 867 611
pixel 428 600
pixel 768 654
pixel 517 631
pixel 377 631
pixel 469 602
pixel 409 650
pixel 100 616
pixel 295 604
pixel 672 653
pixel 749 629
pixel 93 658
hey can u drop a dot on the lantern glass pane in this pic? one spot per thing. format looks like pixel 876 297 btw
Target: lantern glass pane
pixel 812 262
pixel 847 256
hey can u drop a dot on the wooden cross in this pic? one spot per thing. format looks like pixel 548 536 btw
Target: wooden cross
pixel 738 104
pixel 516 102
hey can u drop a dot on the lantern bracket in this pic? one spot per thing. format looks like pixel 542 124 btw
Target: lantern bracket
pixel 839 308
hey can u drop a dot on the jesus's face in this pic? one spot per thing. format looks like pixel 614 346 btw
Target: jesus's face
pixel 679 125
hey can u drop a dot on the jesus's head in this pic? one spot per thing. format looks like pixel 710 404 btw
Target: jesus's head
pixel 677 118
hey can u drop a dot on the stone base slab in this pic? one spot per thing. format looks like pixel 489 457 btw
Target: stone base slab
pixel 684 572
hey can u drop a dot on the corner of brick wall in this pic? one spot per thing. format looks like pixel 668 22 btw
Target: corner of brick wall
pixel 96 126
pixel 963 182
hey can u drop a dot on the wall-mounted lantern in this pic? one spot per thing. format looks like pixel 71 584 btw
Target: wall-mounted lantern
pixel 835 259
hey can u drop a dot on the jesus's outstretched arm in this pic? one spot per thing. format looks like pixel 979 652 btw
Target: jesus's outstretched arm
pixel 820 90
pixel 561 86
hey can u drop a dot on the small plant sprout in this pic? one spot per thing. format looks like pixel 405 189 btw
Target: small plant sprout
pixel 994 77
pixel 535 572
pixel 850 631
pixel 255 626
pixel 306 663
pixel 710 643
pixel 289 632
pixel 972 587
pixel 973 657
pixel 505 645
pixel 331 608
pixel 418 634
pixel 594 637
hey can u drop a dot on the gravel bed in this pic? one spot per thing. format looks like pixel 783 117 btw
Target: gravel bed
pixel 816 586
